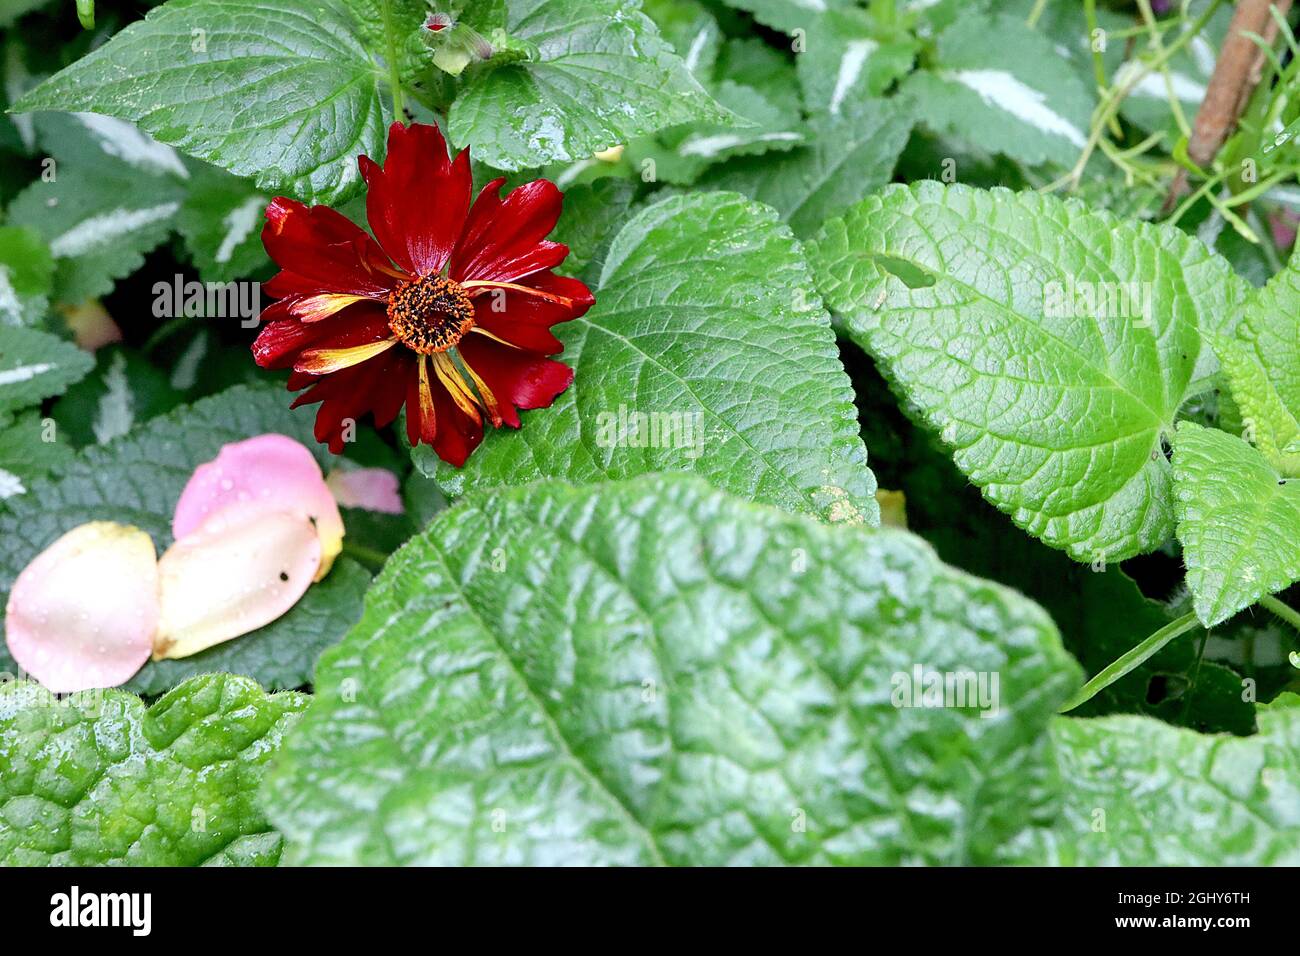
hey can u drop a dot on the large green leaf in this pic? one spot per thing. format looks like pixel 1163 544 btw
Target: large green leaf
pixel 96 779
pixel 1142 793
pixel 593 214
pixel 601 76
pixel 136 479
pixel 36 365
pixel 849 155
pixel 1238 521
pixel 281 90
pixel 1057 409
pixel 705 314
pixel 1001 86
pixel 1262 364
pixel 656 672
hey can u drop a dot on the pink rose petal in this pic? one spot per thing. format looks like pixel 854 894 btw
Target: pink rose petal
pixel 374 489
pixel 266 473
pixel 82 614
pixel 239 571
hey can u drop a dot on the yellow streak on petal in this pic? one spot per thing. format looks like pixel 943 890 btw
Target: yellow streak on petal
pixel 426 396
pixel 488 284
pixel 324 361
pixel 485 394
pixel 495 338
pixel 449 375
pixel 313 308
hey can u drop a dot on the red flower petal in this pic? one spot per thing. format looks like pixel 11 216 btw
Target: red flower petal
pixel 506 240
pixel 280 341
pixel 325 250
pixel 458 434
pixel 419 198
pixel 433 418
pixel 375 386
pixel 516 379
pixel 526 320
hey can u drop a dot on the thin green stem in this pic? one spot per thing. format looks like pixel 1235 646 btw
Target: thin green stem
pixel 1276 607
pixel 394 72
pixel 371 557
pixel 1109 107
pixel 1132 659
pixel 1035 13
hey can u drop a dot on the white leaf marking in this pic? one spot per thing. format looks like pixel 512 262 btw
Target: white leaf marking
pixel 99 231
pixel 24 373
pixel 129 144
pixel 10 485
pixel 239 223
pixel 1002 91
pixel 707 146
pixel 855 57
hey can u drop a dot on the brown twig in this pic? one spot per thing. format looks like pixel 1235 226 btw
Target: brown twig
pixel 1236 74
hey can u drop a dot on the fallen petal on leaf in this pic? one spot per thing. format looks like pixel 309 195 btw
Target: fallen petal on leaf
pixel 374 489
pixel 83 613
pixel 240 571
pixel 266 473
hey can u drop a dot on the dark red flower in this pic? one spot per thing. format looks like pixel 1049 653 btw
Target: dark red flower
pixel 447 310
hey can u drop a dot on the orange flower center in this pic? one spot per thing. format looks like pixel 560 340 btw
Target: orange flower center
pixel 430 314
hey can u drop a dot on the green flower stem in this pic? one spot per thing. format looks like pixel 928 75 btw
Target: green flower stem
pixel 394 73
pixel 1132 659
pixel 371 557
pixel 1288 614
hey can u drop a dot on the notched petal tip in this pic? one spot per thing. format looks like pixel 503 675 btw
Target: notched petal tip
pixel 82 614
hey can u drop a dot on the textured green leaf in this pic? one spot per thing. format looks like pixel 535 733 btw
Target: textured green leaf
pixel 221 222
pixel 25 455
pixel 1142 793
pixel 1238 521
pixel 681 154
pixel 847 157
pixel 35 365
pixel 847 57
pixel 602 76
pixel 113 196
pixel 26 276
pixel 281 90
pixel 655 672
pixel 706 312
pixel 593 214
pixel 136 479
pixel 691 29
pixel 98 779
pixel 752 62
pixel 1000 85
pixel 965 296
pixel 1262 364
pixel 1099 609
